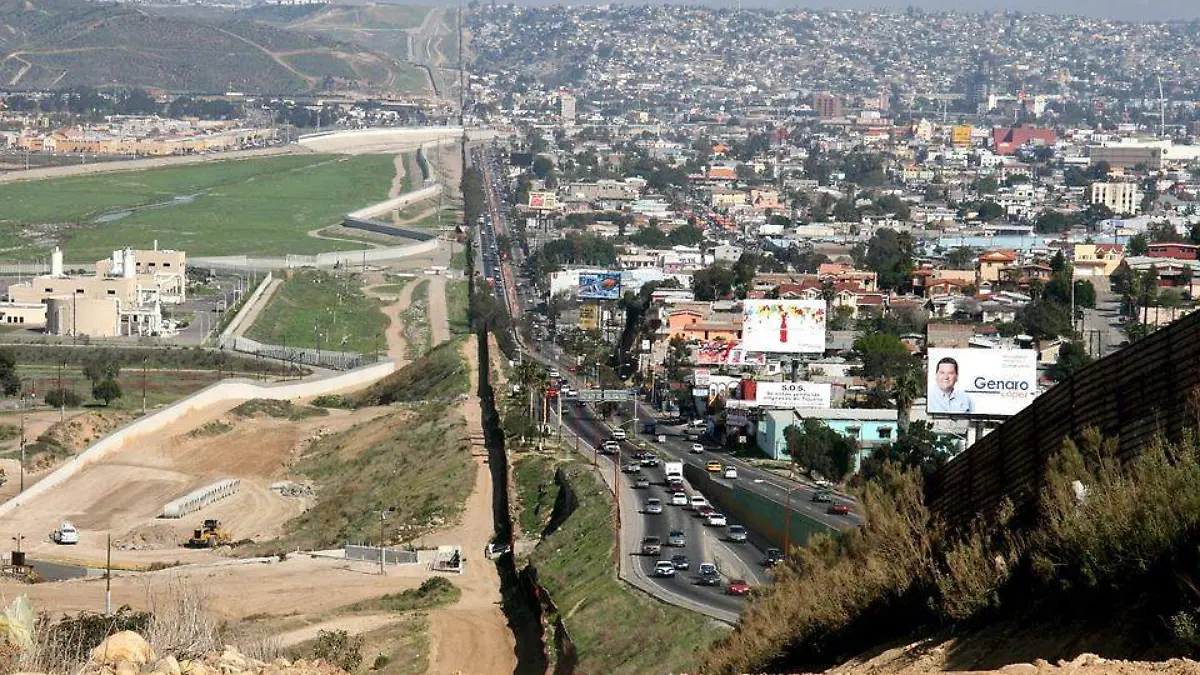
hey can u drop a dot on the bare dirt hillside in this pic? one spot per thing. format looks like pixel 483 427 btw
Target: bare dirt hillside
pixel 953 657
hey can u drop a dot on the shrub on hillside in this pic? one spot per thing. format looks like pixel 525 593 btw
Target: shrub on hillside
pixel 64 398
pixel 1108 536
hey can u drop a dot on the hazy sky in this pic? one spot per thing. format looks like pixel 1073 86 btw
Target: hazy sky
pixel 1127 10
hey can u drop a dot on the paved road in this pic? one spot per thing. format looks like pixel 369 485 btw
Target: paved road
pixel 703 544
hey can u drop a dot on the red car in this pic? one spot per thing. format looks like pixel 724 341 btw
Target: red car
pixel 839 509
pixel 704 510
pixel 738 587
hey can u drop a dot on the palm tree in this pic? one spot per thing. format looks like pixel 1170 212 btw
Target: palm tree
pixel 906 388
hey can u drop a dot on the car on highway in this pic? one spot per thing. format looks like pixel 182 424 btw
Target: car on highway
pixel 554 374
pixel 736 533
pixel 680 561
pixel 839 509
pixel 618 434
pixel 641 482
pixel 713 466
pixel 822 496
pixel 679 499
pixel 697 448
pixel 610 447
pixel 716 520
pixel 772 557
pixel 730 472
pixel 705 511
pixel 632 467
pixel 822 483
pixel 664 568
pixel 738 587
pixel 650 460
pixel 654 506
pixel 697 424
pixel 651 546
pixel 696 501
pixel 708 575
pixel 677 539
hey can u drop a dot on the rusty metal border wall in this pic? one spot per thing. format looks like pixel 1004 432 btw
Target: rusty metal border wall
pixel 1132 395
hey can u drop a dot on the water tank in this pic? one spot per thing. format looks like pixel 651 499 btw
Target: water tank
pixel 130 267
pixel 56 262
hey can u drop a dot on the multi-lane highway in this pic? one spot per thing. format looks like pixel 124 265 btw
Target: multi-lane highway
pixel 702 544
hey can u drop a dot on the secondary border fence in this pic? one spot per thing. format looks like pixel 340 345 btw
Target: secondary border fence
pixel 1144 390
pixel 391 556
pixel 321 358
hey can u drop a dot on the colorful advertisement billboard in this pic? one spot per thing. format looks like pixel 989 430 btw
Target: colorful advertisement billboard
pixel 600 285
pixel 792 395
pixel 543 201
pixel 982 382
pixel 783 326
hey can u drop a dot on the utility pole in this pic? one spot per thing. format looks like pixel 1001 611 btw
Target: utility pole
pixel 382 516
pixel 108 579
pixel 22 485
pixel 62 404
pixel 144 385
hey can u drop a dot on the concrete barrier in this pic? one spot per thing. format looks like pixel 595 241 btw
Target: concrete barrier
pixel 386 206
pixel 198 499
pixel 244 311
pixel 224 392
pixel 330 259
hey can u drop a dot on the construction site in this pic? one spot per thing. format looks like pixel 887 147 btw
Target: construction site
pixel 209 493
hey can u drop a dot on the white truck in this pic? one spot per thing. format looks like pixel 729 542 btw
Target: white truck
pixel 65 534
pixel 673 470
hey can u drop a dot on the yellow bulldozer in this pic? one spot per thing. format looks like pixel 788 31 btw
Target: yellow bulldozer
pixel 209 535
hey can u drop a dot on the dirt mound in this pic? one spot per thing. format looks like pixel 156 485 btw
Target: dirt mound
pixel 67 438
pixel 148 538
pixel 277 408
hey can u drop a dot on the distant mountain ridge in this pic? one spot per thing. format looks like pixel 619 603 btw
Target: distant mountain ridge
pixel 61 43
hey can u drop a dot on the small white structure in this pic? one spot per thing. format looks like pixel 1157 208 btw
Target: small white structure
pixel 198 499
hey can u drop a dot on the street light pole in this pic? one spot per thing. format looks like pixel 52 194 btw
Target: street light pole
pixel 787 523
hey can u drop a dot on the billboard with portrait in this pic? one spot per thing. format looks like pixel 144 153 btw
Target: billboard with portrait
pixel 793 395
pixel 783 326
pixel 981 382
pixel 600 285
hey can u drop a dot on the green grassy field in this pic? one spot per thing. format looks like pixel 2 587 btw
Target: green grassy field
pixel 456 307
pixel 259 206
pixel 314 306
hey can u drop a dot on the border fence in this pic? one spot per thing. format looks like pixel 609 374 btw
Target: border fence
pixel 1132 395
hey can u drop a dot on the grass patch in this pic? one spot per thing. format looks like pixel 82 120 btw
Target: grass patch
pixel 210 429
pixel 254 206
pixel 277 408
pixel 162 386
pixel 575 564
pixel 458 261
pixel 433 592
pixel 457 307
pixel 333 401
pixel 416 461
pixel 316 309
pixel 533 476
pixel 417 333
pixel 441 373
pixel 389 289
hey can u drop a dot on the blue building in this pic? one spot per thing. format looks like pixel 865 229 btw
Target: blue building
pixel 868 427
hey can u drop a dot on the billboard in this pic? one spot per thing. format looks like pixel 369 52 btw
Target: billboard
pixel 791 326
pixel 793 394
pixel 543 201
pixel 589 317
pixel 985 382
pixel 600 285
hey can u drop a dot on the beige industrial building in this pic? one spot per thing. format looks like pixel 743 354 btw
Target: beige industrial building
pixel 123 298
